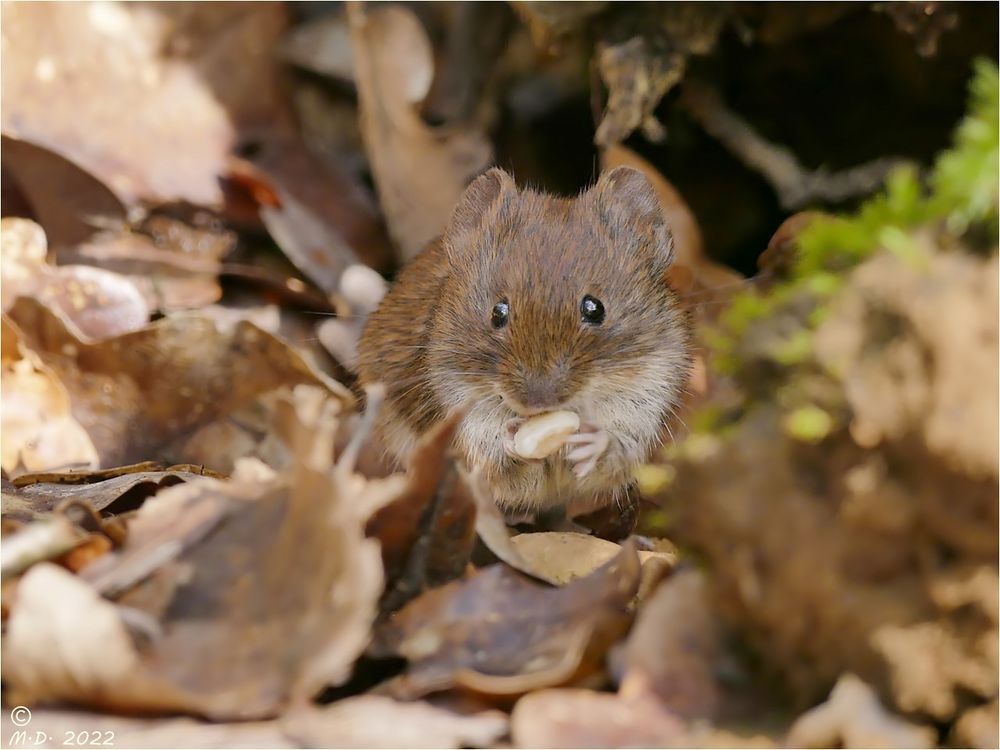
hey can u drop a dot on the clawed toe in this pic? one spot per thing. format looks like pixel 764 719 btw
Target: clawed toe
pixel 510 429
pixel 589 445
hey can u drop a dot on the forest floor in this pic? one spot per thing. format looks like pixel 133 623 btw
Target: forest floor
pixel 202 545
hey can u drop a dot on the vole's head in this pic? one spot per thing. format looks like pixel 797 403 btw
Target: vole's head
pixel 555 303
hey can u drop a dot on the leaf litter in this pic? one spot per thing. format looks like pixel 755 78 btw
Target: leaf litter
pixel 201 532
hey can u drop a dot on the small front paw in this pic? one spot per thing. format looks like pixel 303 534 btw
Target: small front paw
pixel 586 446
pixel 510 429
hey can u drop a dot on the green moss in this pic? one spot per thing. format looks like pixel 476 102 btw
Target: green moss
pixel 965 179
pixel 810 424
pixel 794 350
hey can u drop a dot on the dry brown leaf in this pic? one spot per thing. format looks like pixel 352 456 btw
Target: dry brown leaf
pixel 174 266
pixel 341 213
pixel 427 531
pixel 491 527
pixel 564 556
pixel 90 81
pixel 308 241
pixel 853 717
pixel 111 495
pixel 551 556
pixel 499 633
pixel 97 303
pixel 275 603
pixel 374 721
pixel 141 395
pixel 63 640
pixel 39 430
pixel 420 172
pixel 69 202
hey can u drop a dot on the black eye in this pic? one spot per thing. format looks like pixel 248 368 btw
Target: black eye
pixel 501 311
pixel 592 310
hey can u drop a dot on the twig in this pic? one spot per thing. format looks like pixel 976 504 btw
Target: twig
pixel 795 185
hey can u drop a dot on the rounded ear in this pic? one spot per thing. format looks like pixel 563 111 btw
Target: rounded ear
pixel 484 200
pixel 629 206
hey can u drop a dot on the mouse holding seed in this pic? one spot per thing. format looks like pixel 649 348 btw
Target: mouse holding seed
pixel 550 323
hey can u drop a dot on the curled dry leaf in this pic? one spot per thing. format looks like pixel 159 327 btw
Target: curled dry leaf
pixel 308 241
pixel 166 279
pixel 111 495
pixel 564 556
pixel 71 71
pixel 853 717
pixel 69 202
pixel 499 633
pixel 142 394
pixel 276 602
pixel 420 172
pixel 491 526
pixel 375 721
pixel 173 262
pixel 40 432
pixel 552 556
pixel 342 211
pixel 96 303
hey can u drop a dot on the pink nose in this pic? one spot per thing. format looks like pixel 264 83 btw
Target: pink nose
pixel 541 391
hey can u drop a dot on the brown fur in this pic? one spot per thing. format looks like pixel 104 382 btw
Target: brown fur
pixel 432 343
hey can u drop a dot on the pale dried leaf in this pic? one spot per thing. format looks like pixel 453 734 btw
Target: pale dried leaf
pixel 249 594
pixel 64 640
pixel 89 81
pixel 564 556
pixel 97 303
pixel 169 379
pixel 40 432
pixel 420 172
